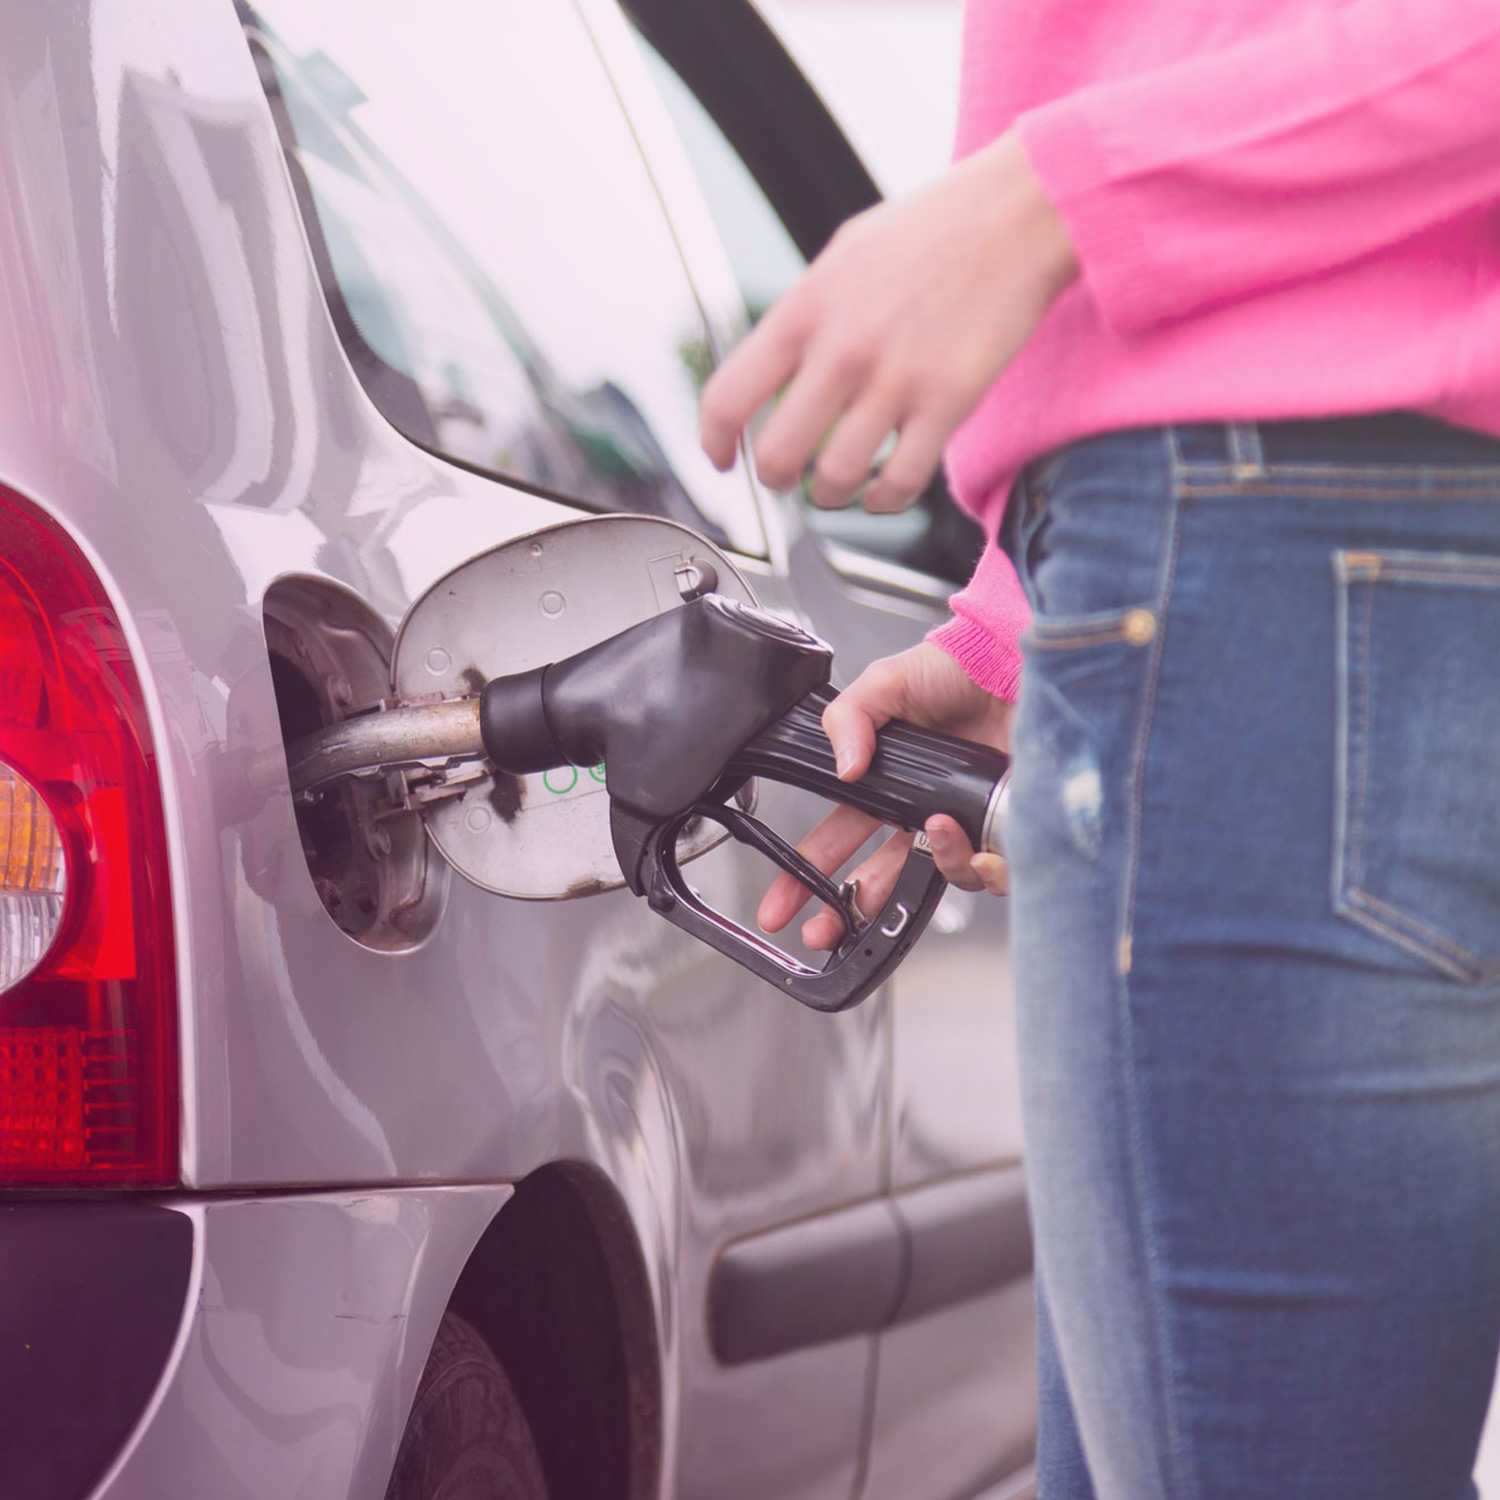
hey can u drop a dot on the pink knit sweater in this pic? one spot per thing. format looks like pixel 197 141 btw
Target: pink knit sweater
pixel 1281 208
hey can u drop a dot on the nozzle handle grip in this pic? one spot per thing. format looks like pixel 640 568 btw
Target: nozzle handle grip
pixel 913 774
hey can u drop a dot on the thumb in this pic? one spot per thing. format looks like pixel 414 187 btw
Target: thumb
pixel 851 720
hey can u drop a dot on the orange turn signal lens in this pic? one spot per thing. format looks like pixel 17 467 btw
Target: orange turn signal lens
pixel 33 877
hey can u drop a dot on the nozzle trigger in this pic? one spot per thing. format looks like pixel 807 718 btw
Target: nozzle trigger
pixel 866 955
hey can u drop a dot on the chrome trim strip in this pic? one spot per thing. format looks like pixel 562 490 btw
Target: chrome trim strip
pixel 889 577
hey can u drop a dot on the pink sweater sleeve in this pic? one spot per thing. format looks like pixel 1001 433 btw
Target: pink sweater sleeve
pixel 989 615
pixel 1275 159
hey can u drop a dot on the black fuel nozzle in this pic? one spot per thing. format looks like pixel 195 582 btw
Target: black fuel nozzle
pixel 664 704
pixel 683 709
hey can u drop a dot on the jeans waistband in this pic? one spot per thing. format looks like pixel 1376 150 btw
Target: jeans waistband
pixel 1399 437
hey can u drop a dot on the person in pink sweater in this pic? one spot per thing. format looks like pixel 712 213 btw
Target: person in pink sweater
pixel 1206 318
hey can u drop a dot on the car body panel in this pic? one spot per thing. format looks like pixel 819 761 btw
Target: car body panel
pixel 178 398
pixel 291 1374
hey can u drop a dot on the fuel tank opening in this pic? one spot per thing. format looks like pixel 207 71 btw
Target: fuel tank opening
pixel 366 850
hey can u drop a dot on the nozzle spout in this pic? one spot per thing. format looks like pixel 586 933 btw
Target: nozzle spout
pixel 402 736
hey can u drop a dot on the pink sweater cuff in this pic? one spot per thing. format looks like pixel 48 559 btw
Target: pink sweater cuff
pixel 989 615
pixel 992 663
pixel 1110 235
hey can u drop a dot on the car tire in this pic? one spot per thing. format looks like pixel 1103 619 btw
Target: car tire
pixel 467 1437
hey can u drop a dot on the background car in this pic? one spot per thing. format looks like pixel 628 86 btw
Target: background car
pixel 327 1172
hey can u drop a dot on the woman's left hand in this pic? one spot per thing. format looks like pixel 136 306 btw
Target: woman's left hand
pixel 900 325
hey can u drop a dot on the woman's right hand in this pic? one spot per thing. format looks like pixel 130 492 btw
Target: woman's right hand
pixel 924 686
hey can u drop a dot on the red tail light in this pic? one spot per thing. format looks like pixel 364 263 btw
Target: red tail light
pixel 88 1062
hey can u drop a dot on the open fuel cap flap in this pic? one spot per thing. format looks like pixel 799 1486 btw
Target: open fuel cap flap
pixel 533 601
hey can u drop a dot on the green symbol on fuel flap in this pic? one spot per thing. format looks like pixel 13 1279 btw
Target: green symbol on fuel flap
pixel 560 791
pixel 597 772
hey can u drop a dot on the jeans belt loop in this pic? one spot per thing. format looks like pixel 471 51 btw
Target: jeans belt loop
pixel 1246 454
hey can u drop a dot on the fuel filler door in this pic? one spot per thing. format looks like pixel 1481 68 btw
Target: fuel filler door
pixel 543 836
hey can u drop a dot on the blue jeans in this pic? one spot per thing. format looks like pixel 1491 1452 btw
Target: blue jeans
pixel 1255 852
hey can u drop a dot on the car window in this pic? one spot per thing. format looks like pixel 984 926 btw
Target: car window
pixel 932 536
pixel 764 256
pixel 494 255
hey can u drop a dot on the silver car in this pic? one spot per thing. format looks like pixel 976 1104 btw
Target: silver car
pixel 329 1172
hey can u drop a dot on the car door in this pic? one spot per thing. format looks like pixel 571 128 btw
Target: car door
pixel 756 177
pixel 510 295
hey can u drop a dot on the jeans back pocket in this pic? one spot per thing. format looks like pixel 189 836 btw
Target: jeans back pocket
pixel 1417 842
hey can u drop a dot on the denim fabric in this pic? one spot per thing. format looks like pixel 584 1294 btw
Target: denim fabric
pixel 1255 854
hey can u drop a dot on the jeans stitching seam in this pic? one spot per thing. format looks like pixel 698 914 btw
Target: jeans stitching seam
pixel 1476 472
pixel 1259 488
pixel 1072 642
pixel 1105 636
pixel 1355 913
pixel 1463 474
pixel 1343 693
pixel 1350 898
pixel 1401 564
pixel 1464 578
pixel 1393 920
pixel 1357 863
pixel 1177 1456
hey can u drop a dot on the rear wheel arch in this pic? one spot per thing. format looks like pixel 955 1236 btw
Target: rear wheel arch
pixel 558 1288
